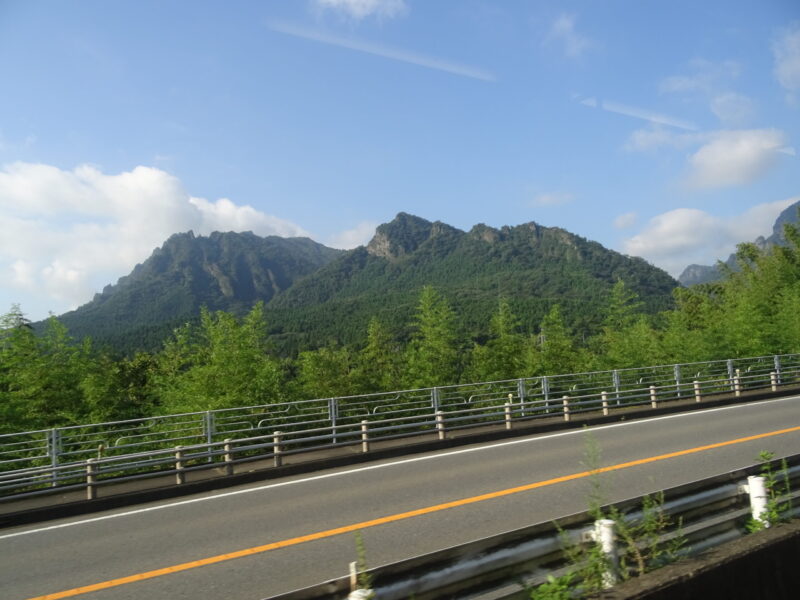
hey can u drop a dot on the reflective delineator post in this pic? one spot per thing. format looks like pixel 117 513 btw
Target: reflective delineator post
pixel 277 450
pixel 653 397
pixel 91 490
pixel 696 391
pixel 757 488
pixel 604 537
pixel 565 401
pixel 180 476
pixel 365 436
pixel 604 398
pixel 228 457
pixel 507 409
pixel 440 424
pixel 737 387
pixel 773 379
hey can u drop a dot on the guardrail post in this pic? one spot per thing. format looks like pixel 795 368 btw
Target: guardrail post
pixel 228 457
pixel 91 471
pixel 53 446
pixel 333 413
pixel 737 387
pixel 615 378
pixel 277 449
pixel 653 397
pixel 546 393
pixel 210 430
pixel 696 391
pixel 773 379
pixel 757 489
pixel 508 414
pixel 565 402
pixel 180 476
pixel 604 398
pixel 365 436
pixel 677 371
pixel 730 372
pixel 440 424
pixel 777 362
pixel 521 394
pixel 604 537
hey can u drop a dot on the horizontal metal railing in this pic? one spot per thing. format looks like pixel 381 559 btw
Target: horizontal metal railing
pixel 703 514
pixel 95 455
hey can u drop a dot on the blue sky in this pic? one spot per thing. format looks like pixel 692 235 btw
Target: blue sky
pixel 666 130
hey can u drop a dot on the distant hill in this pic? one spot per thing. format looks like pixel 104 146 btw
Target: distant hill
pixel 533 266
pixel 224 271
pixel 317 295
pixel 696 274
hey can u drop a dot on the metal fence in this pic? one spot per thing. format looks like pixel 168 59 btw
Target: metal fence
pixel 91 456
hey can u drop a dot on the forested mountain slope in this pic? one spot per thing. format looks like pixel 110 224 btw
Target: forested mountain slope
pixel 534 267
pixel 224 271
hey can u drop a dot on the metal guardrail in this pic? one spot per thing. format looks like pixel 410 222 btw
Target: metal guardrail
pixel 91 456
pixel 704 513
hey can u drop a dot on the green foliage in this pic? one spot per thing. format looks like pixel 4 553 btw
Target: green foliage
pixel 555 588
pixel 325 373
pixel 378 363
pixel 503 355
pixel 222 363
pixel 432 356
pixel 779 502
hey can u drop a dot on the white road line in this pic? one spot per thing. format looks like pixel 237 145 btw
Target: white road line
pixel 391 464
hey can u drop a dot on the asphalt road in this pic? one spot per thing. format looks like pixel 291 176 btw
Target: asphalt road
pixel 118 546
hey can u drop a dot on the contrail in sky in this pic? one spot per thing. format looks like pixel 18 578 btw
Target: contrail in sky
pixel 639 113
pixel 382 51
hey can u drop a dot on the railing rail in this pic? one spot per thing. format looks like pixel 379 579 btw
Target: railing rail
pixel 43 461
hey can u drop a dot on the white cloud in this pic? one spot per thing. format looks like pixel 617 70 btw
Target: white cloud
pixel 684 236
pixel 722 158
pixel 68 233
pixel 361 9
pixel 706 77
pixel 397 54
pixel 732 108
pixel 786 50
pixel 625 221
pixel 351 238
pixel 735 157
pixel 563 32
pixel 553 199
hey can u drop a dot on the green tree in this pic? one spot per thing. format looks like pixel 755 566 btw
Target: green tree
pixel 325 373
pixel 432 356
pixel 503 355
pixel 378 365
pixel 554 350
pixel 223 362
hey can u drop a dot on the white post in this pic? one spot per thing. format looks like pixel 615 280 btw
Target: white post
pixel 653 397
pixel 277 450
pixel 773 379
pixel 604 397
pixel 180 476
pixel 696 391
pixel 365 436
pixel 228 457
pixel 91 490
pixel 757 488
pixel 737 388
pixel 508 414
pixel 565 401
pixel 440 424
pixel 605 538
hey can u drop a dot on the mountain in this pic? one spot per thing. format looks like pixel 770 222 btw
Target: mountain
pixel 531 265
pixel 315 295
pixel 695 274
pixel 224 271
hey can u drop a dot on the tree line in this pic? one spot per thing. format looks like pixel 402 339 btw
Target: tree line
pixel 47 379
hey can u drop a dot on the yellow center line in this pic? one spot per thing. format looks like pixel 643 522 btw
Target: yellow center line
pixel 396 517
